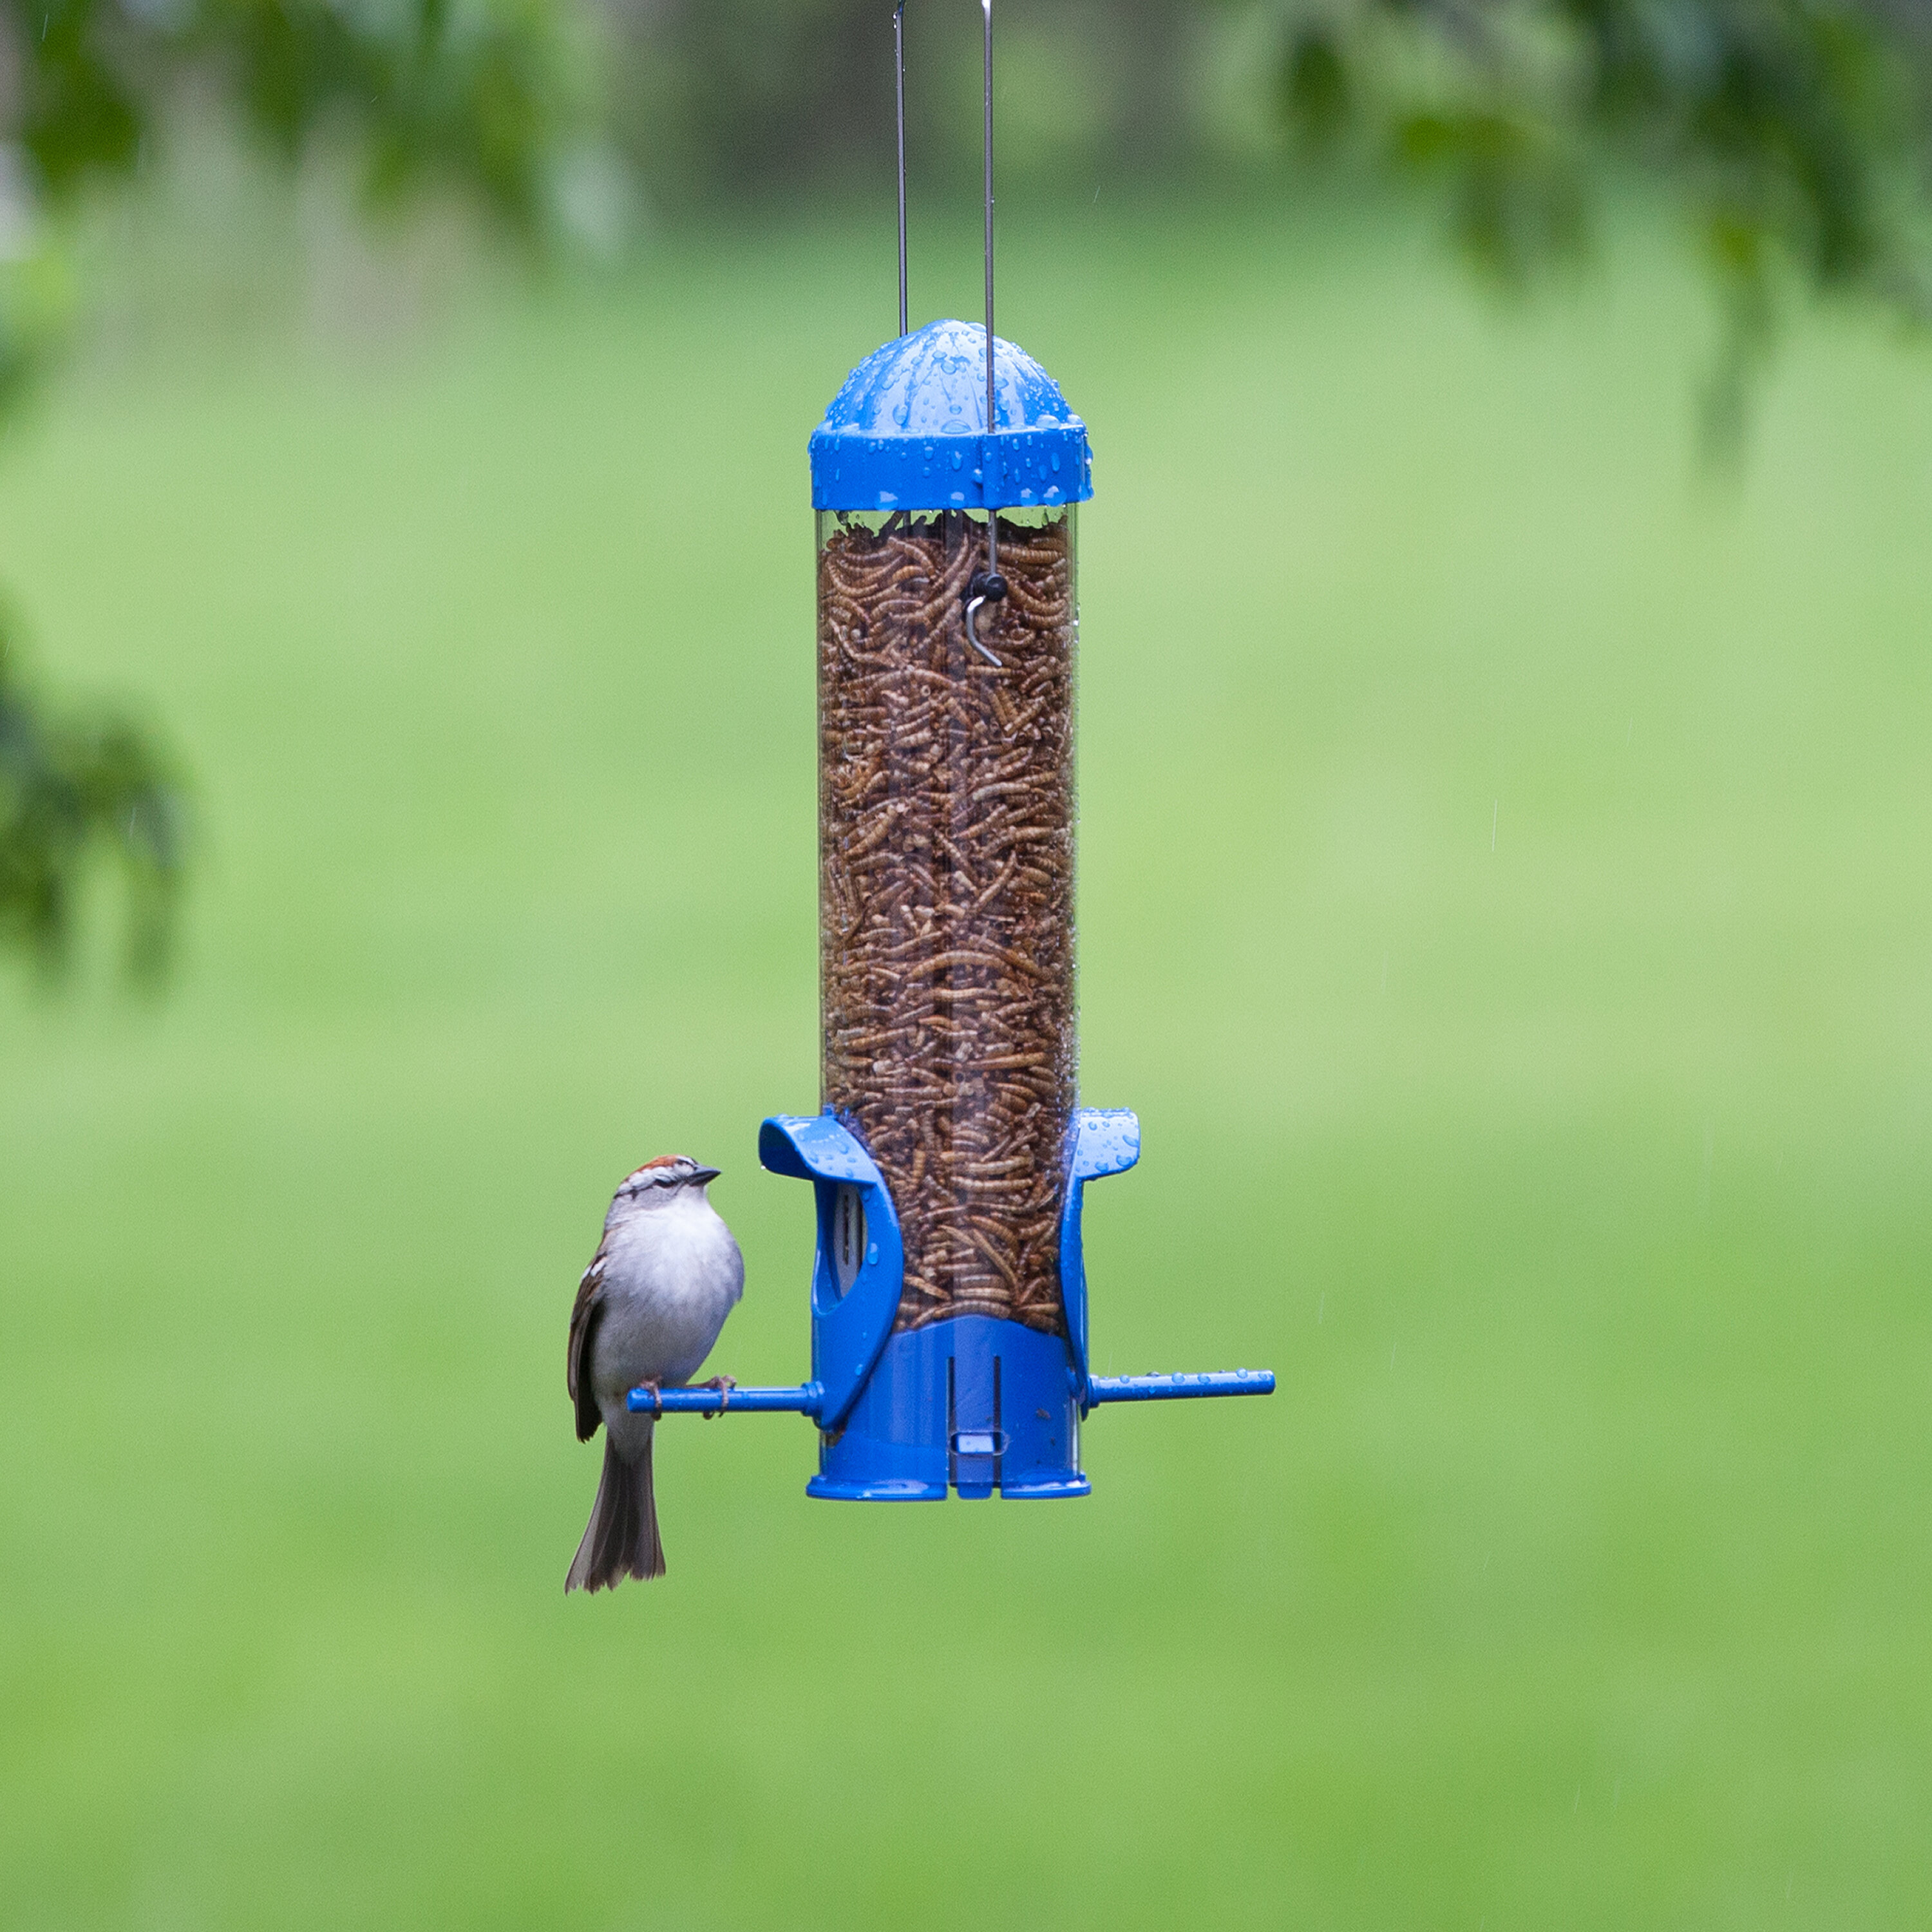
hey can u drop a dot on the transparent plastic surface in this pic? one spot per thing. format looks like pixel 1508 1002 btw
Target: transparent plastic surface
pixel 946 909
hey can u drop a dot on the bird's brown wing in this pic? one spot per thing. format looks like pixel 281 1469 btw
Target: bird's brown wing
pixel 584 1317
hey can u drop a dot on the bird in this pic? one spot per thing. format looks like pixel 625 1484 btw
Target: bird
pixel 649 1310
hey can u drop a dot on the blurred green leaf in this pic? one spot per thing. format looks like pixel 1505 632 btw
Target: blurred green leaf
pixel 472 93
pixel 74 790
pixel 1317 93
pixel 1793 136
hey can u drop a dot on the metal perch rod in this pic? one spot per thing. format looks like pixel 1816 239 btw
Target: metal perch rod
pixel 1179 1388
pixel 805 1398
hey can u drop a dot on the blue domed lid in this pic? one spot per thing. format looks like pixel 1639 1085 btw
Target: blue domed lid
pixel 908 431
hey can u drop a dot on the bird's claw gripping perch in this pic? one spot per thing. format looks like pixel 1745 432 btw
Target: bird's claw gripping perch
pixel 724 1384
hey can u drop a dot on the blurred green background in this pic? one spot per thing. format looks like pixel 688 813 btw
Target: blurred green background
pixel 1505 896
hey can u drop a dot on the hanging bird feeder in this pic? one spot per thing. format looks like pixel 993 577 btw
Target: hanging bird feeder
pixel 951 1157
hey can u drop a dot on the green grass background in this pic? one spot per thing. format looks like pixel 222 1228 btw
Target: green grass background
pixel 1506 896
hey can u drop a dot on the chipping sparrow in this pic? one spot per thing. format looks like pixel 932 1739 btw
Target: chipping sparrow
pixel 649 1309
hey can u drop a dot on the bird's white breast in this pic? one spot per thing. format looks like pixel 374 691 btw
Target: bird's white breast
pixel 671 1276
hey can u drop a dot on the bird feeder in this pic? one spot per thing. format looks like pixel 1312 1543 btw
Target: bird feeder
pixel 950 1156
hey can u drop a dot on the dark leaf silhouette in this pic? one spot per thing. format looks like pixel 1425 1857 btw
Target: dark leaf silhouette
pixel 75 791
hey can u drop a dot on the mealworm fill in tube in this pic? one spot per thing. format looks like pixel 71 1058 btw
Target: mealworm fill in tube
pixel 946 909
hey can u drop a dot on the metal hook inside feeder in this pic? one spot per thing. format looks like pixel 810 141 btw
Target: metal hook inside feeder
pixel 983 588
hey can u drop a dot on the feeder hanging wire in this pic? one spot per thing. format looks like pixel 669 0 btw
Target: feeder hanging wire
pixel 988 586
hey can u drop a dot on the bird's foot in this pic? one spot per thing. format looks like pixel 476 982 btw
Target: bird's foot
pixel 656 1385
pixel 724 1384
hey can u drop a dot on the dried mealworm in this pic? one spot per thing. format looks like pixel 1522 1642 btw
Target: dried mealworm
pixel 938 772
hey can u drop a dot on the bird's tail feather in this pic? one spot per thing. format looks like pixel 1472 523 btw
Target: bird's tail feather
pixel 621 1539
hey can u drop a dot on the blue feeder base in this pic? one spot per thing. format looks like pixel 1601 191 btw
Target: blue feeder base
pixel 972 1404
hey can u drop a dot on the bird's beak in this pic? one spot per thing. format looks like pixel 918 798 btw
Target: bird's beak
pixel 704 1174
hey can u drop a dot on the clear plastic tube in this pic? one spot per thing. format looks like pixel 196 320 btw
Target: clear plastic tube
pixel 945 908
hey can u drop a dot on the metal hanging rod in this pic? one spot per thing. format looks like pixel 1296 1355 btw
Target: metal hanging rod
pixel 988 586
pixel 898 103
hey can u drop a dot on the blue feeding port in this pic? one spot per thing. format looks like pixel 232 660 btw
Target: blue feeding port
pixel 969 1404
pixel 950 1162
